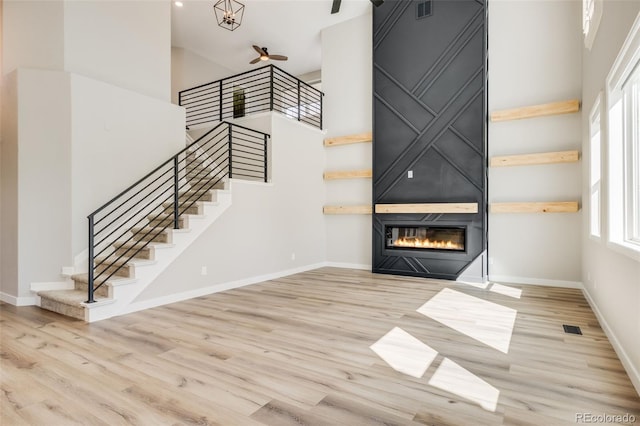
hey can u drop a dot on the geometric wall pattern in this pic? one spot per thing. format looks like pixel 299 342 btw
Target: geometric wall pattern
pixel 429 78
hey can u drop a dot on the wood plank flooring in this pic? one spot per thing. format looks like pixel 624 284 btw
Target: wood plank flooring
pixel 296 351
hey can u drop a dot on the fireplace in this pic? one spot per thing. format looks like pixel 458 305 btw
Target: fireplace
pixel 445 238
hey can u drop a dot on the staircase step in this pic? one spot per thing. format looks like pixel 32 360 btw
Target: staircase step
pixel 201 195
pixel 195 208
pixel 167 219
pixel 198 186
pixel 151 234
pixel 108 266
pixel 102 291
pixel 65 302
pixel 138 250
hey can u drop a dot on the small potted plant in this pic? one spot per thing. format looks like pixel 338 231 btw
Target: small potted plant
pixel 238 102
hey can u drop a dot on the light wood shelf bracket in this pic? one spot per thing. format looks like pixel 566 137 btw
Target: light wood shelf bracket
pixel 537 207
pixel 347 209
pixel 345 140
pixel 535 159
pixel 428 208
pixel 553 108
pixel 347 174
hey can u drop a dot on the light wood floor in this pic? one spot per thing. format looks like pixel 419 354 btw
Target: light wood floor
pixel 297 351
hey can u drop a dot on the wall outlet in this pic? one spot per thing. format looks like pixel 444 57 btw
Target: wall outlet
pixel 410 174
pixel 293 256
pixel 203 270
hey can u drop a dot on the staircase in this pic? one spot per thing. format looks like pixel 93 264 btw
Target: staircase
pixel 136 235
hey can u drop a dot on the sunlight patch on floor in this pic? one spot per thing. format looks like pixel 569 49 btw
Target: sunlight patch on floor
pixel 404 353
pixel 506 290
pixel 487 322
pixel 453 378
pixel 480 285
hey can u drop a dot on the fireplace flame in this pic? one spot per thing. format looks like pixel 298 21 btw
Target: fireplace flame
pixel 427 243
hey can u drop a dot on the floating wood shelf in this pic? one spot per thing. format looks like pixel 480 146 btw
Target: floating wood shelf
pixel 428 208
pixel 533 159
pixel 550 207
pixel 347 174
pixel 554 108
pixel 346 209
pixel 345 140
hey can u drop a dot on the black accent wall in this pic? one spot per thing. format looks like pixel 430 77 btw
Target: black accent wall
pixel 429 78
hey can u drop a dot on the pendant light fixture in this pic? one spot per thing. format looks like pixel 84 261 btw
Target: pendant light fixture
pixel 229 13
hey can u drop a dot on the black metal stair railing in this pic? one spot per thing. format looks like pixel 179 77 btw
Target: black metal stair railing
pixel 267 88
pixel 128 223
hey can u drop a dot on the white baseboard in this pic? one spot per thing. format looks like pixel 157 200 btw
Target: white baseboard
pixel 348 265
pixel 536 281
pixel 178 297
pixel 631 369
pixel 18 301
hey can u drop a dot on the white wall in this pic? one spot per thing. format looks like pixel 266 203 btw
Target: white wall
pixel 612 280
pixel 535 55
pixel 265 224
pixel 118 136
pixel 347 107
pixel 188 69
pixel 33 35
pixel 125 43
pixel 9 187
pixel 44 176
pixel 77 143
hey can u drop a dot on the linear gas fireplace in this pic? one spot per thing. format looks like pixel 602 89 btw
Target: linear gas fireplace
pixel 447 238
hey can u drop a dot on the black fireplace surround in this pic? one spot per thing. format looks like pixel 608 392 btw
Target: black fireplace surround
pixel 429 134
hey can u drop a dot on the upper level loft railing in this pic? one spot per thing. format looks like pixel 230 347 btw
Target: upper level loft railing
pixel 267 88
pixel 128 223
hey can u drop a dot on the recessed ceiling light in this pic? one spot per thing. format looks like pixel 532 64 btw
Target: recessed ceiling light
pixel 178 3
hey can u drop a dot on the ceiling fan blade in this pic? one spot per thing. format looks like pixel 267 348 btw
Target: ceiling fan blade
pixel 335 7
pixel 278 57
pixel 377 3
pixel 255 61
pixel 259 50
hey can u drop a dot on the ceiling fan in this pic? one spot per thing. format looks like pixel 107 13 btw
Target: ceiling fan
pixel 335 7
pixel 265 56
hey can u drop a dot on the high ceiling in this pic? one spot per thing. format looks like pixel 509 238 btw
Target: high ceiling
pixel 291 28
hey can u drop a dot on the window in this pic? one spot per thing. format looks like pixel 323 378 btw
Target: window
pixel 591 14
pixel 623 104
pixel 594 168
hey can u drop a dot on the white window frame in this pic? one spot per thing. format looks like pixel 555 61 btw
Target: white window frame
pixel 591 16
pixel 623 140
pixel 595 170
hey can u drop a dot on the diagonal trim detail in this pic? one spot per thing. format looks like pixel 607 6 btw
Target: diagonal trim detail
pixel 437 120
pixel 405 90
pixel 385 32
pixel 448 50
pixel 397 113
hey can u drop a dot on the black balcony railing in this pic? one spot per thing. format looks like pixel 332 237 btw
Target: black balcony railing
pixel 128 223
pixel 267 88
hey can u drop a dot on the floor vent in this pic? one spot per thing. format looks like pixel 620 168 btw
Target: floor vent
pixel 571 329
